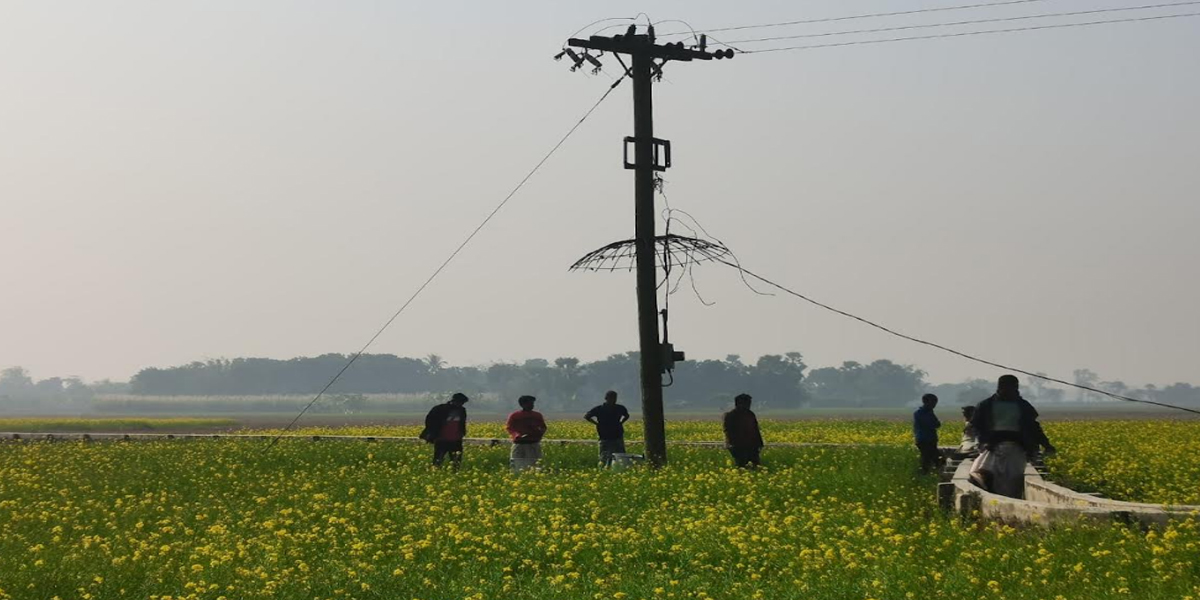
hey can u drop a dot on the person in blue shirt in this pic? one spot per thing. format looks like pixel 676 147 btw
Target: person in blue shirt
pixel 925 426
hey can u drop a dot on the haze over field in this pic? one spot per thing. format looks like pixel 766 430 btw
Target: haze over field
pixel 190 181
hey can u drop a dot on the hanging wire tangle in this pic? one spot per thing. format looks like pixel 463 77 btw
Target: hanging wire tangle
pixel 672 251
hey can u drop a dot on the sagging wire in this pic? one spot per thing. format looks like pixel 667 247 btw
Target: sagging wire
pixel 949 350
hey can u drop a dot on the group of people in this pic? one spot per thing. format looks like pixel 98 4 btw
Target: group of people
pixel 1000 434
pixel 446 428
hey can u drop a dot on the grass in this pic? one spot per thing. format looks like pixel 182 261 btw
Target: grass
pixel 211 519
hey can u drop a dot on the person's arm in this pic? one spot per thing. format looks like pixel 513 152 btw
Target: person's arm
pixel 1042 440
pixel 624 415
pixel 510 426
pixel 758 433
pixel 539 425
pixel 590 417
pixel 728 426
pixel 937 423
pixel 429 434
pixel 978 422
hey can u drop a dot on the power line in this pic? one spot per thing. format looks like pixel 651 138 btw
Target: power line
pixel 970 22
pixel 452 256
pixel 970 33
pixel 863 16
pixel 910 338
pixel 599 21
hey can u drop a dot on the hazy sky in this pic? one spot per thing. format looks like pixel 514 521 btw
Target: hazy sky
pixel 190 180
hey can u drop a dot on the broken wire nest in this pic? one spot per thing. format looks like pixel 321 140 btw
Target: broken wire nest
pixel 671 251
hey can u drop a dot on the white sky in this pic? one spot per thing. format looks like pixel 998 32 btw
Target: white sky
pixel 181 181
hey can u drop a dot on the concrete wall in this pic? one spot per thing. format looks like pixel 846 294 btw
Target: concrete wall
pixel 1047 503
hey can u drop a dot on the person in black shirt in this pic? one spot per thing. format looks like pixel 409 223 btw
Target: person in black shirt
pixel 445 428
pixel 609 419
pixel 742 435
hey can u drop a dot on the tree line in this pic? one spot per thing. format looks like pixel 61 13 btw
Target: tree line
pixel 777 381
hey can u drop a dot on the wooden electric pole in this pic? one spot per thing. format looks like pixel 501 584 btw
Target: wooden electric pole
pixel 647 60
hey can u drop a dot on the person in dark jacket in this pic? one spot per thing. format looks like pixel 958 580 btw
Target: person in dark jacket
pixel 742 435
pixel 925 433
pixel 445 428
pixel 609 419
pixel 1008 429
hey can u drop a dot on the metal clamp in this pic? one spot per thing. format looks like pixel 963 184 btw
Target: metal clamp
pixel 656 144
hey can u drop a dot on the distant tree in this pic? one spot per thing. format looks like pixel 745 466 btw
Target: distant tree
pixel 1086 377
pixel 435 363
pixel 881 383
pixel 776 381
pixel 14 381
pixel 1182 394
pixel 1115 387
pixel 1038 390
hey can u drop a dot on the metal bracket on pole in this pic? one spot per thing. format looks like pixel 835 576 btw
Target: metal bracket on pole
pixel 660 159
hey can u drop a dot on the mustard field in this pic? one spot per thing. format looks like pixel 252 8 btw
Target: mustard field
pixel 1138 460
pixel 210 519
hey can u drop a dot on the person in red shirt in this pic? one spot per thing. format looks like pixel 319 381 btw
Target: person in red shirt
pixel 526 428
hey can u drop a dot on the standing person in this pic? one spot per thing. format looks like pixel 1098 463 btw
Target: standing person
pixel 609 419
pixel 969 445
pixel 526 427
pixel 925 434
pixel 742 436
pixel 1008 429
pixel 445 428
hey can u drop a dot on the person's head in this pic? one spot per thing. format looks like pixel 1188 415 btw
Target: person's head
pixel 1008 386
pixel 929 400
pixel 968 412
pixel 742 401
pixel 526 402
pixel 458 399
pixel 610 397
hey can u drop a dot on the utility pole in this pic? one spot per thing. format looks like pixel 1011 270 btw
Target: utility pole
pixel 650 155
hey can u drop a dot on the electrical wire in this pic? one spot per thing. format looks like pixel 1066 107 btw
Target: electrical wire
pixel 910 338
pixel 452 256
pixel 970 33
pixel 599 21
pixel 970 22
pixel 862 16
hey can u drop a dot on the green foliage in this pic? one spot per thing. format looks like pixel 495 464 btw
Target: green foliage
pixel 211 519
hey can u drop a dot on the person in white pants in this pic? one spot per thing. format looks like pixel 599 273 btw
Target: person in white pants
pixel 526 428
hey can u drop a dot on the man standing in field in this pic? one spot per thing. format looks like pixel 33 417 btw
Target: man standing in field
pixel 445 428
pixel 609 419
pixel 1009 431
pixel 742 436
pixel 925 434
pixel 526 427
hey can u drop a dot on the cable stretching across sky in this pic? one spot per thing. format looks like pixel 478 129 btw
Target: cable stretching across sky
pixel 968 22
pixel 972 33
pixel 910 338
pixel 452 256
pixel 862 16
